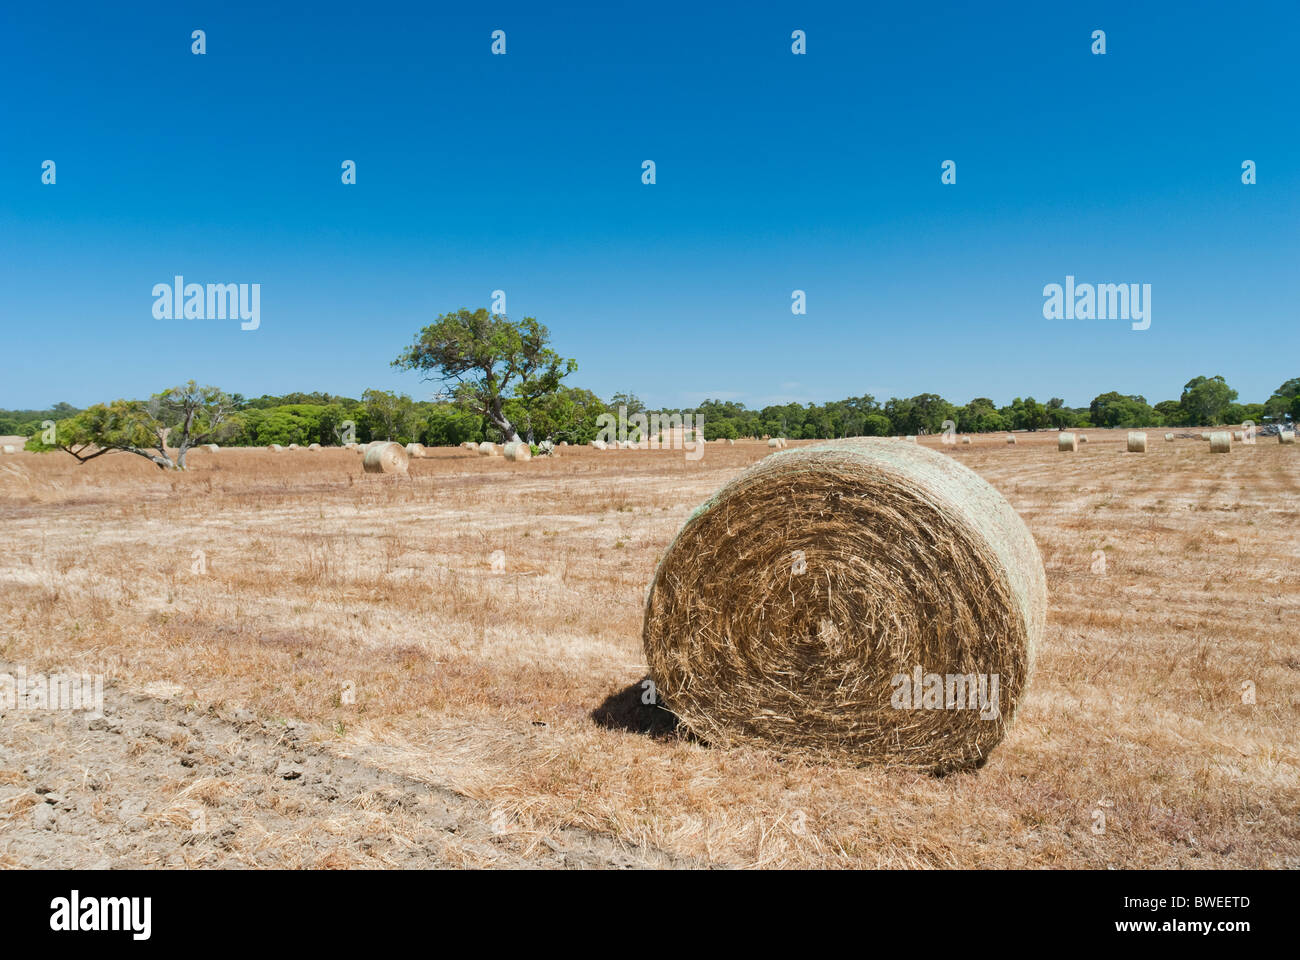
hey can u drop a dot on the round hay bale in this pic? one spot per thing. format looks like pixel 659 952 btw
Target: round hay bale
pixel 1137 442
pixel 1238 435
pixel 909 565
pixel 488 449
pixel 275 448
pixel 965 440
pixel 911 438
pixel 1083 438
pixel 774 442
pixel 564 443
pixel 1221 442
pixel 1286 436
pixel 1011 438
pixel 386 457
pixel 313 446
pixel 1067 441
pixel 1169 438
pixel 416 450
pixel 518 451
pixel 8 448
pixel 211 447
pixel 731 443
pixel 599 444
pixel 1202 436
pixel 294 446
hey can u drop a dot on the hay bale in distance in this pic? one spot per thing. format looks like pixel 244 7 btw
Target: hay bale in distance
pixel 517 451
pixel 415 450
pixel 8 449
pixel 965 440
pixel 275 448
pixel 294 446
pixel 1169 438
pixel 1067 441
pixel 1286 436
pixel 386 457
pixel 1137 441
pixel 1083 438
pixel 745 648
pixel 1011 439
pixel 1238 435
pixel 599 444
pixel 774 442
pixel 313 446
pixel 1221 442
pixel 211 447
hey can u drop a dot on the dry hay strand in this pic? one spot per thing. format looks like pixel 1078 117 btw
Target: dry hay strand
pixel 386 457
pixel 518 451
pixel 795 606
pixel 1286 436
pixel 1011 439
pixel 1221 442
pixel 1137 442
pixel 1169 438
pixel 1238 435
pixel 1067 441
pixel 487 449
pixel 416 450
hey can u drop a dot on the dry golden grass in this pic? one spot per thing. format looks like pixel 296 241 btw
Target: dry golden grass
pixel 312 575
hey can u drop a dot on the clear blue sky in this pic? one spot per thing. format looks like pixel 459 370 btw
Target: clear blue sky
pixel 775 172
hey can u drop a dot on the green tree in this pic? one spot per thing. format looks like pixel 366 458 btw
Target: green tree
pixel 1205 399
pixel 184 416
pixel 483 360
pixel 390 416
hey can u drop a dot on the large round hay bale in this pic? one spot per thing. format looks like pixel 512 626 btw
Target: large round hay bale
pixel 774 442
pixel 1286 436
pixel 487 449
pixel 1221 442
pixel 1067 441
pixel 518 451
pixel 386 457
pixel 416 450
pixel 797 605
pixel 1137 442
pixel 1011 438
pixel 1169 438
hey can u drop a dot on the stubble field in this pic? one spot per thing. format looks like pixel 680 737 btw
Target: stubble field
pixel 309 667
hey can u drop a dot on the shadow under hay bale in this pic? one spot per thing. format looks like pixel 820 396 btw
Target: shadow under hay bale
pixel 625 711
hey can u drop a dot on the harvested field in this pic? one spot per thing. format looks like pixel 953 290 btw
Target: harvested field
pixel 294 610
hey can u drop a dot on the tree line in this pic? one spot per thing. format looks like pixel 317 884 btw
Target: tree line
pixel 500 380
